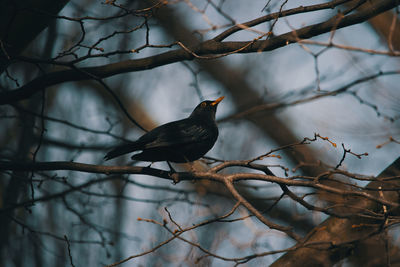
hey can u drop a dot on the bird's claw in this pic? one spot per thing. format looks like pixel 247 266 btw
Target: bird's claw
pixel 175 178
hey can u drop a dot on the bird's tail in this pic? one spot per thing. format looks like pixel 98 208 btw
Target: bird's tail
pixel 121 150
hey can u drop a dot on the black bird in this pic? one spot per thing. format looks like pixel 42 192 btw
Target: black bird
pixel 178 141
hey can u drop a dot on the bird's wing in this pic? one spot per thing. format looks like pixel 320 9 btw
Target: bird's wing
pixel 177 133
pixel 123 149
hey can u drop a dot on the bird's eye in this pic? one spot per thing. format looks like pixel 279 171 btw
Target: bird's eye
pixel 203 105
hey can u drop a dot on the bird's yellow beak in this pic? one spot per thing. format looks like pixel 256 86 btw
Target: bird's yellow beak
pixel 217 101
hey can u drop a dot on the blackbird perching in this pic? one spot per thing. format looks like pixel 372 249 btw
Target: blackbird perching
pixel 178 141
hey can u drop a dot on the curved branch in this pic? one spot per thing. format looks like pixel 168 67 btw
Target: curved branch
pixel 209 47
pixel 244 202
pixel 276 15
pixel 335 92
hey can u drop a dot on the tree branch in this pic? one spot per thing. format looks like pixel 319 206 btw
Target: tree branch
pixel 301 181
pixel 209 47
pixel 342 231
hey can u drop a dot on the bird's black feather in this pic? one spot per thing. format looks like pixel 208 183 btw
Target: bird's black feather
pixel 179 141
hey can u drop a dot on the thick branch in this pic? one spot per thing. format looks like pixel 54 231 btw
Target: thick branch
pixel 206 48
pixel 344 231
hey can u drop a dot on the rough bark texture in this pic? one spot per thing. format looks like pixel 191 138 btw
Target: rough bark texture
pixel 334 237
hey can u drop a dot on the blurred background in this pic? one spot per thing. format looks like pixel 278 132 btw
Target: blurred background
pixel 347 91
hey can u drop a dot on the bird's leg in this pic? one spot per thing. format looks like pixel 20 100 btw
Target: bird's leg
pixel 192 166
pixel 170 167
pixel 174 177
